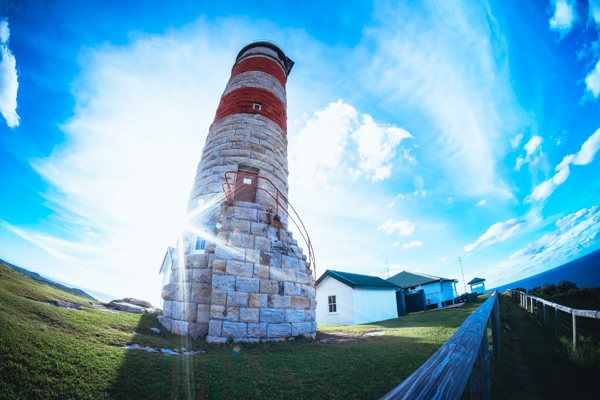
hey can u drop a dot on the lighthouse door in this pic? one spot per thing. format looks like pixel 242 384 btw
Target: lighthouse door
pixel 245 187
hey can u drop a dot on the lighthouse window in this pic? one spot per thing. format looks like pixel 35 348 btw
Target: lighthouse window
pixel 332 304
pixel 257 106
pixel 198 246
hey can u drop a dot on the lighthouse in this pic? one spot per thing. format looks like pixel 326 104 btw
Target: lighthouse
pixel 238 272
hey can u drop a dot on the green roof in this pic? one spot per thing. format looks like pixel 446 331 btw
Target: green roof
pixel 407 279
pixel 357 280
pixel 475 280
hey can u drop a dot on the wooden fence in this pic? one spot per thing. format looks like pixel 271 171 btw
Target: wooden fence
pixel 465 355
pixel 541 307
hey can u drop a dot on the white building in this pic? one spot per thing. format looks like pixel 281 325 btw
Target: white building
pixel 350 299
pixel 438 291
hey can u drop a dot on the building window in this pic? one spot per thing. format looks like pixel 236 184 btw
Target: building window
pixel 332 304
pixel 198 246
pixel 257 106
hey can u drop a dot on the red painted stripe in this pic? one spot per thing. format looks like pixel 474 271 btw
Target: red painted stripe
pixel 260 64
pixel 242 101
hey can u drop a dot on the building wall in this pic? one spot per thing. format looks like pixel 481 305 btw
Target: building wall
pixel 448 293
pixel 478 288
pixel 435 295
pixel 374 305
pixel 345 303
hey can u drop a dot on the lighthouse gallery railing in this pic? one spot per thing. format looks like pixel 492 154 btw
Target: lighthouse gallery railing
pixel 230 187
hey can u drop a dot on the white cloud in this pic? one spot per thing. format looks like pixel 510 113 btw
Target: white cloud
pixel 415 243
pixel 564 16
pixel 481 203
pixel 403 228
pixel 9 83
pixel 443 259
pixel 532 145
pixel 467 117
pixel 516 141
pixel 496 233
pixel 546 188
pixel 376 147
pixel 594 11
pixel 592 81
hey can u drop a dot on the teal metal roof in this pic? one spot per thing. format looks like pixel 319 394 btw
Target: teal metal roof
pixel 475 280
pixel 358 281
pixel 407 279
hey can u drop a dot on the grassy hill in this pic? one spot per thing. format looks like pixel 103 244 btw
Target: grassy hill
pixel 55 353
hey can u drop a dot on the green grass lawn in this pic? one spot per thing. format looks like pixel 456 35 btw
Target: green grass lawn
pixel 49 352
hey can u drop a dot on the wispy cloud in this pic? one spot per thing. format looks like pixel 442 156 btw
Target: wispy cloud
pixel 496 233
pixel 585 156
pixel 403 228
pixel 9 83
pixel 516 141
pixel 564 16
pixel 411 55
pixel 592 81
pixel 481 203
pixel 594 11
pixel 533 150
pixel 414 243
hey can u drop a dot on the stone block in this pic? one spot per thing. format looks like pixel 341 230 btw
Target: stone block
pixel 301 277
pixel 196 261
pixel 202 276
pixel 272 233
pixel 252 256
pixel 275 260
pixel 243 284
pixel 269 287
pixel 257 330
pixel 188 274
pixel 198 330
pixel 265 257
pixel 271 315
pixel 229 253
pixel 218 297
pixel 170 291
pixel 225 313
pixel 294 289
pixel 235 225
pixel 216 339
pixel 234 329
pixel 277 301
pixel 241 240
pixel 183 311
pixel 262 244
pixel 249 314
pixel 302 328
pixel 250 214
pixel 289 262
pixel 261 271
pixel 214 328
pixel 300 302
pixel 237 299
pixel 246 340
pixel 219 265
pixel 311 315
pixel 279 330
pixel 166 322
pixel 257 300
pixel 203 313
pixel 200 293
pixel 282 274
pixel 313 303
pixel 239 268
pixel 258 229
pixel 167 309
pixel 180 328
pixel 223 282
pixel 292 315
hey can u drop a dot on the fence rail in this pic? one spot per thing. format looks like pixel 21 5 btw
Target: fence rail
pixel 531 303
pixel 465 355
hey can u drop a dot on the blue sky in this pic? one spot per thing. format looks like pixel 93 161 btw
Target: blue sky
pixel 418 132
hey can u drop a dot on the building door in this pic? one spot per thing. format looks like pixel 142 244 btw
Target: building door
pixel 245 187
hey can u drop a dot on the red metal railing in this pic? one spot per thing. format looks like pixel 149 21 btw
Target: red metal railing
pixel 230 187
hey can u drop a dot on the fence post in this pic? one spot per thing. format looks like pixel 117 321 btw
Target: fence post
pixel 557 314
pixel 545 315
pixel 574 331
pixel 496 328
pixel 480 377
pixel 531 301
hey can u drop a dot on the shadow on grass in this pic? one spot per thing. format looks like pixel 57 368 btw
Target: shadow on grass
pixel 295 369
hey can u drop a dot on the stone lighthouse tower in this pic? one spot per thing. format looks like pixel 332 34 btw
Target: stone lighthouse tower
pixel 238 272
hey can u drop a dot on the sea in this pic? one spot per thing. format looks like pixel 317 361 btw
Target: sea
pixel 584 272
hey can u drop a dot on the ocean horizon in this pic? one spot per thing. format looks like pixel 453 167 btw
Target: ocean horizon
pixel 584 272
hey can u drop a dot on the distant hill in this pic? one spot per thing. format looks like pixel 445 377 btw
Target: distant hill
pixel 39 278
